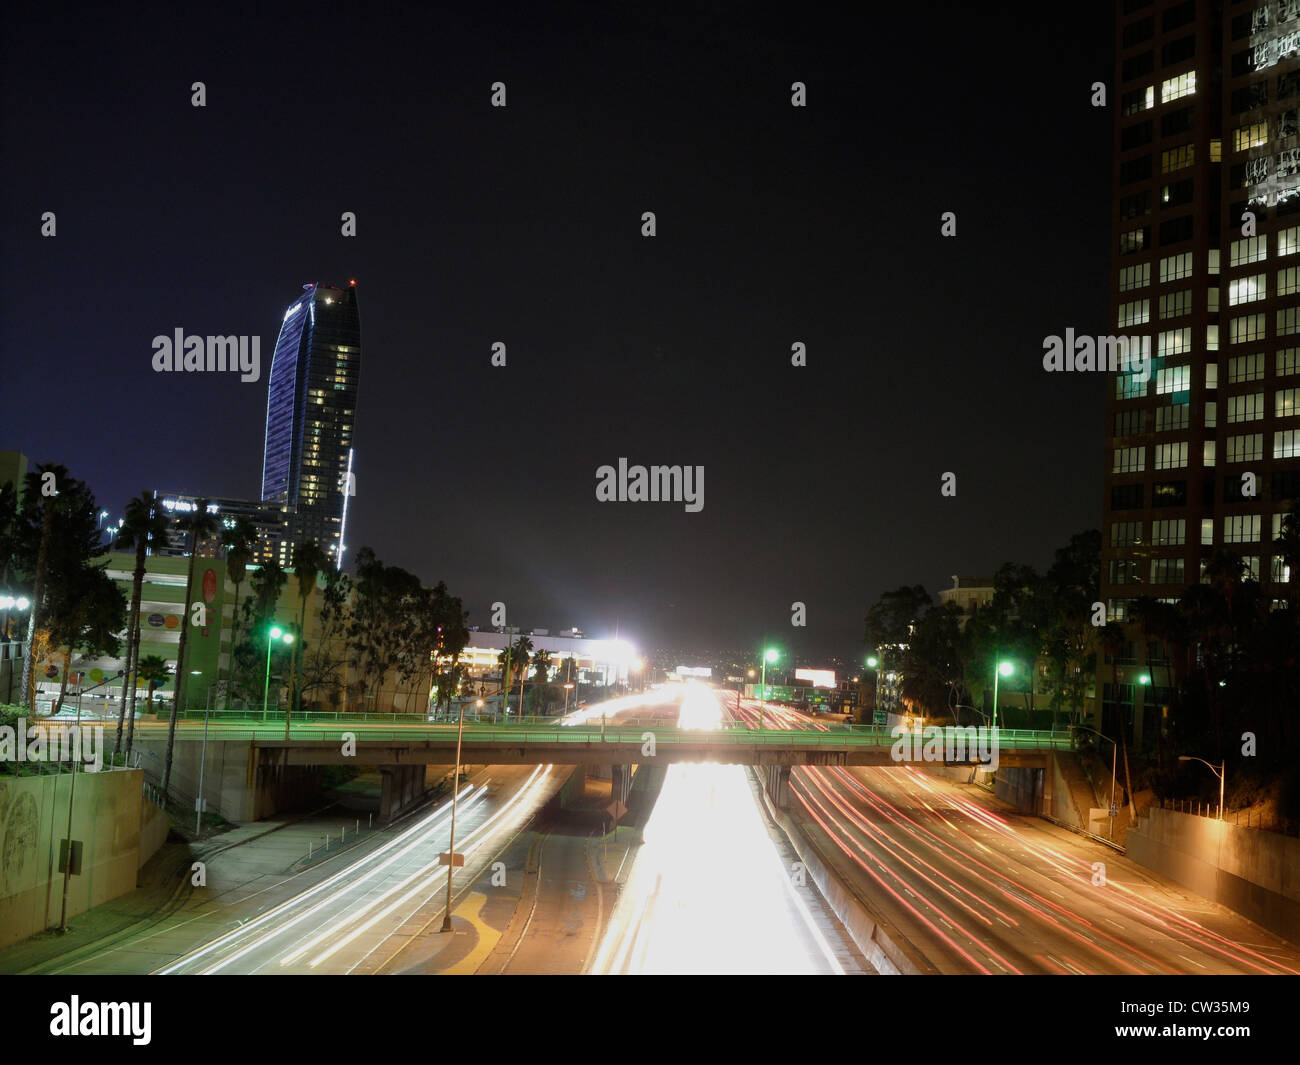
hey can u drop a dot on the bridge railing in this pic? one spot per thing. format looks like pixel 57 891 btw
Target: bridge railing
pixel 551 732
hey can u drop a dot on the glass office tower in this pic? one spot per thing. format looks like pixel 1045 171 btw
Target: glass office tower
pixel 311 416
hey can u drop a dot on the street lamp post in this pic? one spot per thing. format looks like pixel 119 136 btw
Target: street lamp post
pixel 1220 773
pixel 8 603
pixel 770 655
pixel 567 688
pixel 276 633
pixel 1114 756
pixel 455 795
pixel 873 664
pixel 1004 669
pixel 72 794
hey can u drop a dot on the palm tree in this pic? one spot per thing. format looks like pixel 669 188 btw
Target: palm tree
pixel 541 674
pixel 143 523
pixel 238 540
pixel 152 669
pixel 308 562
pixel 200 525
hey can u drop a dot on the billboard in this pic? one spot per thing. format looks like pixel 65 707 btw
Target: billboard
pixel 821 678
pixel 694 671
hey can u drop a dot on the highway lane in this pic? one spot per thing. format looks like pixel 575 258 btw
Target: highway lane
pixel 352 921
pixel 710 891
pixel 980 888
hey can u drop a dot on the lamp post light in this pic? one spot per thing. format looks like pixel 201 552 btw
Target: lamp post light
pixel 1220 773
pixel 567 688
pixel 770 655
pixel 72 794
pixel 276 633
pixel 455 798
pixel 1004 669
pixel 873 664
pixel 7 603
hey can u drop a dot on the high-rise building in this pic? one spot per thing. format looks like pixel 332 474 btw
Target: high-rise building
pixel 311 415
pixel 1205 452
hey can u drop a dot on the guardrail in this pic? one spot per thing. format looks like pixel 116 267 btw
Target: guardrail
pixel 843 736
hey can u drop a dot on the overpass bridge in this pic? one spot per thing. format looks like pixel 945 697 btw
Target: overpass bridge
pixel 254 770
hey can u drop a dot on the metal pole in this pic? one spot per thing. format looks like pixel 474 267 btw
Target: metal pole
pixel 1222 773
pixel 203 761
pixel 72 794
pixel 455 795
pixel 1114 755
pixel 762 692
pixel 266 690
pixel 995 692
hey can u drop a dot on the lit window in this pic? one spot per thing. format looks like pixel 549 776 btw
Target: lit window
pixel 1129 460
pixel 1177 158
pixel 1241 528
pixel 1247 328
pixel 1137 312
pixel 1286 402
pixel 1176 304
pixel 1248 250
pixel 1247 408
pixel 1286 444
pixel 1171 456
pixel 1132 277
pixel 1247 448
pixel 1174 267
pixel 1178 87
pixel 1247 289
pixel 1251 136
pixel 1246 368
pixel 1173 379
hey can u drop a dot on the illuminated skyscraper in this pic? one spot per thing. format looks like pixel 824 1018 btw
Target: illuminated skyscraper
pixel 1205 454
pixel 310 417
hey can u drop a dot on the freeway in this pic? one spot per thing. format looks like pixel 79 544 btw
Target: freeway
pixel 711 890
pixel 976 887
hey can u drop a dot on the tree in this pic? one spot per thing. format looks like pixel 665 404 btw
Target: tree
pixel 383 613
pixel 321 669
pixel 308 562
pixel 152 669
pixel 198 524
pixel 541 676
pixel 59 535
pixel 238 538
pixel 143 523
pixel 86 611
pixel 889 622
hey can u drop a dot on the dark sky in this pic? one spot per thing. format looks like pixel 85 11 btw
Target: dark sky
pixel 522 224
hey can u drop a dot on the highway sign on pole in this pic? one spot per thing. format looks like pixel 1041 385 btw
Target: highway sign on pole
pixel 457 860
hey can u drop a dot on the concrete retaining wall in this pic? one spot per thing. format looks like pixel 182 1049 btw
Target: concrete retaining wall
pixel 1255 873
pixel 33 821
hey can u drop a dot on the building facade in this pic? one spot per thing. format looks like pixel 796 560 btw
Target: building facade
pixel 311 417
pixel 1203 450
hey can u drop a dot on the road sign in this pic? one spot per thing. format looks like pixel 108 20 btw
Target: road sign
pixel 76 856
pixel 1114 810
pixel 879 717
pixel 616 809
pixel 451 859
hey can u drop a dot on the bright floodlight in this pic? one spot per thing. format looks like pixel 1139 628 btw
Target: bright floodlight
pixel 771 654
pixel 1005 668
pixel 276 632
pixel 1144 679
pixel 873 662
pixel 288 637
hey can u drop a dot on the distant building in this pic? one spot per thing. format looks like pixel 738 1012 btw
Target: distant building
pixel 268 518
pixel 968 593
pixel 311 417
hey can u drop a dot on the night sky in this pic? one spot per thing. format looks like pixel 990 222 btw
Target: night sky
pixel 477 224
